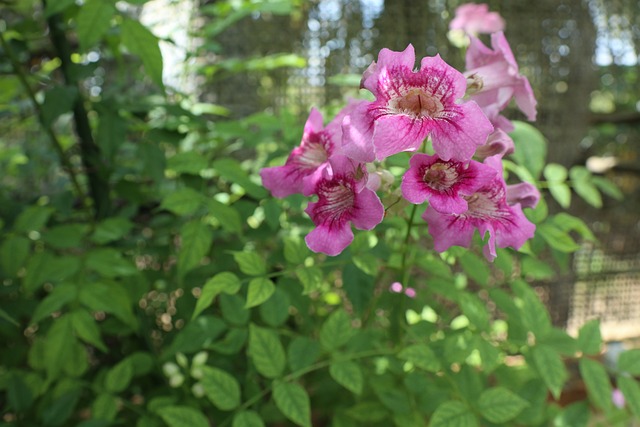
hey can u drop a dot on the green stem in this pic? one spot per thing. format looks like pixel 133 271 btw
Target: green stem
pixel 95 168
pixel 64 160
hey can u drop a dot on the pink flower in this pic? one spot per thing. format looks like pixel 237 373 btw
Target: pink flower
pixel 411 105
pixel 527 195
pixel 444 183
pixel 476 19
pixel 343 199
pixel 396 287
pixel 307 162
pixel 499 144
pixel 618 398
pixel 500 76
pixel 488 212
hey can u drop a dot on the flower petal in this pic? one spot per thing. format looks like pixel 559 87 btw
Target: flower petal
pixel 368 210
pixel 330 240
pixel 458 137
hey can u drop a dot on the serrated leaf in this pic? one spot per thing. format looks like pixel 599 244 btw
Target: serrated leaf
pixel 32 218
pixel 336 331
pixel 111 229
pixel 196 241
pixel 58 298
pixel 222 282
pixel 567 222
pixel 631 391
pixel 550 367
pixel 110 298
pixel 250 263
pixel 589 338
pixel 348 374
pixel 141 42
pixel 556 238
pixel 104 407
pixel 184 201
pixel 266 352
pixel 93 21
pixel 182 416
pixel 500 405
pixel 475 310
pixel 629 362
pixel 247 419
pixel 453 414
pixel 421 356
pixel 260 290
pixel 189 162
pixel 59 346
pixel 221 388
pixel 227 216
pixel 275 310
pixel 598 385
pixel 574 415
pixel 475 267
pixel 293 401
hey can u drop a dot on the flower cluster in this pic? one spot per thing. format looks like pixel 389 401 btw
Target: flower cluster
pixel 461 178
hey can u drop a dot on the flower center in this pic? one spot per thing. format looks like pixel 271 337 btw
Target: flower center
pixel 313 155
pixel 335 200
pixel 416 103
pixel 485 205
pixel 440 176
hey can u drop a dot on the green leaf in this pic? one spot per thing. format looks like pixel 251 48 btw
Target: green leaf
pixel 196 241
pixel 266 351
pixel 608 187
pixel 453 414
pixel 260 290
pixel 574 415
pixel 368 412
pixel 310 277
pixel 221 388
pixel 57 6
pixel 629 362
pixel 141 42
pixel 336 331
pixel 555 172
pixel 58 412
pixel 631 391
pixel 231 171
pixel 567 222
pixel 589 338
pixel 65 236
pixel 111 229
pixel 551 368
pixel 13 254
pixel 247 419
pixel 421 356
pixel 583 185
pixel 275 310
pixel 182 202
pixel 18 392
pixel 58 100
pixel 250 263
pixel 93 21
pixel 368 263
pixel 475 310
pixel 222 282
pixel 189 162
pixel 293 401
pixel 58 298
pixel 500 405
pixel 233 310
pixel 598 385
pixel 530 147
pixel 561 192
pixel 302 352
pixel 533 312
pixel 295 251
pixel 85 327
pixel 119 377
pixel 556 238
pixel 110 298
pixel 105 407
pixel 475 267
pixel 227 216
pixel 348 374
pixel 33 218
pixel 112 132
pixel 182 416
pixel 109 262
pixel 59 346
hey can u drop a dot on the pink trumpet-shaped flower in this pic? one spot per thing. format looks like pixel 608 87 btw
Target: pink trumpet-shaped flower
pixel 411 105
pixel 499 144
pixel 307 162
pixel 524 193
pixel 500 76
pixel 444 183
pixel 476 19
pixel 343 199
pixel 489 212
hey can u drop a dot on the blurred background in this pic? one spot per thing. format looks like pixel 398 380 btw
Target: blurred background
pixel 279 58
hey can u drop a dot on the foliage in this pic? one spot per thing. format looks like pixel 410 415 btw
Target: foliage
pixel 148 279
